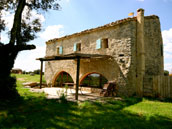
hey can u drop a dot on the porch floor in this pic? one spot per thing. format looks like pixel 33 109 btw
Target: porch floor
pixel 55 93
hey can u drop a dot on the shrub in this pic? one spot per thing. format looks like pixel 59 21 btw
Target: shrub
pixel 166 73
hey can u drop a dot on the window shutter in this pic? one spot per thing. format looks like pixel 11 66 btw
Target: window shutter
pixel 98 44
pixel 75 47
pixel 60 50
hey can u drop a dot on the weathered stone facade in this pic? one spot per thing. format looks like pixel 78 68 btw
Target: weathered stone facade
pixel 123 42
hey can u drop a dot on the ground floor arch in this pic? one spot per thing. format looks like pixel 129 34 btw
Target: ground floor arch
pixel 63 78
pixel 93 80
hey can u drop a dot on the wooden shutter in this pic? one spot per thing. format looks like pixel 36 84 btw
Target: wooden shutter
pixel 75 47
pixel 98 44
pixel 60 50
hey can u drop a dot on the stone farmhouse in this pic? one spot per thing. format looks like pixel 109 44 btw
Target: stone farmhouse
pixel 16 71
pixel 134 48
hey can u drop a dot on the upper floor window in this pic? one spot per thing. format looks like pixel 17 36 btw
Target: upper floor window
pixel 59 50
pixel 77 47
pixel 102 43
pixel 105 43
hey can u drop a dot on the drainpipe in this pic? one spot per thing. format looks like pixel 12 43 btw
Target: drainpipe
pixel 140 52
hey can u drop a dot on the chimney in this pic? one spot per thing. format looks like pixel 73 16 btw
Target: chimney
pixel 140 53
pixel 140 40
pixel 140 15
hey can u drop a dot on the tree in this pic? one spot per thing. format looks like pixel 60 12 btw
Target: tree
pixel 37 71
pixel 166 73
pixel 23 30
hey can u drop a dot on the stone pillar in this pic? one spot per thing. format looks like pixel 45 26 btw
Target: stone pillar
pixel 140 52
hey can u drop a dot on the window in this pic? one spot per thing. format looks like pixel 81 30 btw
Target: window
pixel 102 43
pixel 121 55
pixel 59 50
pixel 105 43
pixel 77 47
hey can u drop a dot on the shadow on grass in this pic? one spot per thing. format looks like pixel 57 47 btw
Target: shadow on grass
pixel 159 99
pixel 38 112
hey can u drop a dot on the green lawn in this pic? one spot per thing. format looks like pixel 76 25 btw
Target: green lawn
pixel 33 110
pixel 27 78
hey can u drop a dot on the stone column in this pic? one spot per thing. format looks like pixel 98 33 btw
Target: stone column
pixel 140 52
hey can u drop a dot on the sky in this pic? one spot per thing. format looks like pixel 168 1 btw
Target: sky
pixel 78 15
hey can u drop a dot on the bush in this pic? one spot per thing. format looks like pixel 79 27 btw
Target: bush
pixel 166 73
pixel 24 72
pixel 63 98
pixel 36 71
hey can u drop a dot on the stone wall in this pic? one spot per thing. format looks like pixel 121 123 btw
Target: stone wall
pixel 153 47
pixel 121 67
pixel 153 52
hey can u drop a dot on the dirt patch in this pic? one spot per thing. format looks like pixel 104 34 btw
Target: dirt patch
pixel 20 79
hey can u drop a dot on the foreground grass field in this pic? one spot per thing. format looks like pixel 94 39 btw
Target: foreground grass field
pixel 33 110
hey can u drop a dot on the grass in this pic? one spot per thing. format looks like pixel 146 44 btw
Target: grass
pixel 22 78
pixel 33 110
pixel 27 78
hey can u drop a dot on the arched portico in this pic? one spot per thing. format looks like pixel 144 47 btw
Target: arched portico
pixel 78 67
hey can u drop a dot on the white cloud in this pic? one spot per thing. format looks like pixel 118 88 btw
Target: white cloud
pixel 167 55
pixel 4 38
pixel 168 66
pixel 168 48
pixel 167 41
pixel 34 15
pixel 52 32
pixel 9 17
pixel 167 36
pixel 26 60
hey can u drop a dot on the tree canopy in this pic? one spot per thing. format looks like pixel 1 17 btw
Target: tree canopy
pixel 23 30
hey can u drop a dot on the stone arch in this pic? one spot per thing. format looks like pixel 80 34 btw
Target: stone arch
pixel 106 67
pixel 88 73
pixel 57 75
pixel 98 83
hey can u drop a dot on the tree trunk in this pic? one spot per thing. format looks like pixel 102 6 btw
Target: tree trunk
pixel 7 83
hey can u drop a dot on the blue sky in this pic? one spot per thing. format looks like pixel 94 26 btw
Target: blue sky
pixel 78 15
